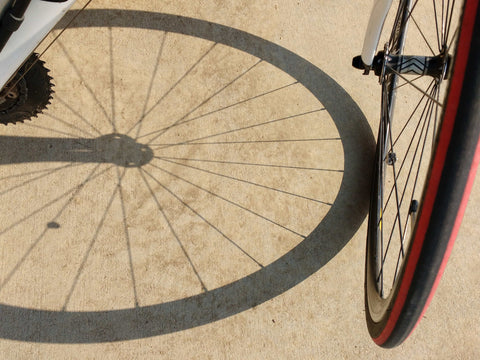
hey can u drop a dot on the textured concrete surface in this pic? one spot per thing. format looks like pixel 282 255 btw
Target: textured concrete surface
pixel 198 189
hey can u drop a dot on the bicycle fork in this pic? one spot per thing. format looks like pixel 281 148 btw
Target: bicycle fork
pixel 384 63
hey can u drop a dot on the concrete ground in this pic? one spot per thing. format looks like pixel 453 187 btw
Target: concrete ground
pixel 198 190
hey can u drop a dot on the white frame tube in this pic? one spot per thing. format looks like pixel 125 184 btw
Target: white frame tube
pixel 374 30
pixel 39 19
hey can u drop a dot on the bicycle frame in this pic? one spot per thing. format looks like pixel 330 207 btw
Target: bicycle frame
pixel 42 15
pixel 374 30
pixel 39 19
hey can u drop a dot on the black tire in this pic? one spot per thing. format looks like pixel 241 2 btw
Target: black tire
pixel 394 304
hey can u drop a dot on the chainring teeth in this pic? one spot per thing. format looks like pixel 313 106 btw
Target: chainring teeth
pixel 32 75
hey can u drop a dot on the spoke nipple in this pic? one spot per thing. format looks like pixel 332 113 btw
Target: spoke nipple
pixel 413 207
pixel 392 158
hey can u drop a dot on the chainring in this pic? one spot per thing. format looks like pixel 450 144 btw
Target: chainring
pixel 30 95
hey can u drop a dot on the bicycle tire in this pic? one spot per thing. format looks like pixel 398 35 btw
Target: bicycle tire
pixel 448 180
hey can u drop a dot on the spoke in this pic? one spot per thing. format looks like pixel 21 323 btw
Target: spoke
pixel 397 21
pixel 436 25
pixel 408 148
pixel 411 11
pixel 388 138
pixel 398 201
pixel 430 87
pixel 172 230
pixel 381 170
pixel 421 154
pixel 443 24
pixel 431 111
pixel 424 112
pixel 414 85
pixel 452 39
pixel 434 133
pixel 406 83
pixel 425 125
pixel 449 19
pixel 423 36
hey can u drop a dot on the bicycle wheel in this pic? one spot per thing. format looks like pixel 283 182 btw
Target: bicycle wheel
pixel 420 145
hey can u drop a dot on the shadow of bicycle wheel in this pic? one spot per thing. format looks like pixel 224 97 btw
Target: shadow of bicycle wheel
pixel 321 245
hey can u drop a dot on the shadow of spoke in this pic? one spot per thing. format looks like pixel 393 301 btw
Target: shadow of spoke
pixel 87 87
pixel 241 128
pixel 245 181
pixel 84 132
pixel 112 81
pixel 199 106
pixel 50 203
pixel 172 230
pixel 204 219
pixel 228 201
pixel 90 246
pixel 221 109
pixel 247 164
pixel 177 83
pixel 29 181
pixel 150 86
pixel 76 191
pixel 127 236
pixel 233 142
pixel 48 129
pixel 33 172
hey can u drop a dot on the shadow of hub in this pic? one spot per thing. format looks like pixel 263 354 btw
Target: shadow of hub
pixel 122 150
